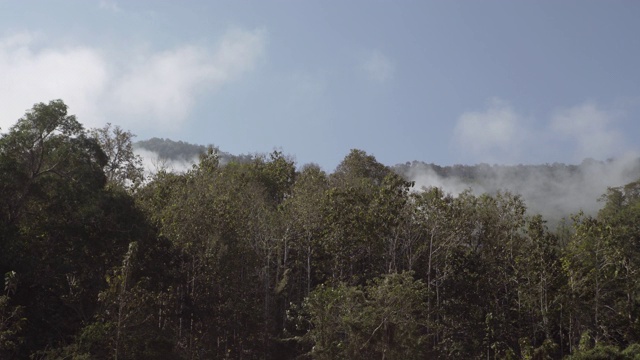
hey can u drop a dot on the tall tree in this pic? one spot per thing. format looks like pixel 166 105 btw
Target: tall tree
pixel 62 229
pixel 383 319
pixel 123 167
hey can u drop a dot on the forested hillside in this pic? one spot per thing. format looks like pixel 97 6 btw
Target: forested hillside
pixel 179 150
pixel 553 190
pixel 259 259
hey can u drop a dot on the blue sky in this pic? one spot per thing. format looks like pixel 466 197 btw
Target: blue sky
pixel 438 81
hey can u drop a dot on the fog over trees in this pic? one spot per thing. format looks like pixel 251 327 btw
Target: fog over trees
pixel 554 190
pixel 257 257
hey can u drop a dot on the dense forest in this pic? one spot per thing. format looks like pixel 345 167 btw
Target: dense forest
pixel 259 259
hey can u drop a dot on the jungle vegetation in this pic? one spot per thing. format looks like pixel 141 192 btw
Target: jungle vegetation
pixel 259 259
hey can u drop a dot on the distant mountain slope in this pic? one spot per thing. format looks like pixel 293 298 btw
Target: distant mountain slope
pixel 168 149
pixel 555 190
pixel 171 150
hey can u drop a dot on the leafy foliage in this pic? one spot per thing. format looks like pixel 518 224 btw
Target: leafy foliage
pixel 253 258
pixel 123 167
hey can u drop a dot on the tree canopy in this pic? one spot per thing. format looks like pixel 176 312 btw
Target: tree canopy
pixel 259 259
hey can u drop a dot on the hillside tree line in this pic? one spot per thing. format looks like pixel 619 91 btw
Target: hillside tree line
pixel 258 259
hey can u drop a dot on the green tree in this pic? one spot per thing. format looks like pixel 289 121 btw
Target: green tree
pixel 62 229
pixel 383 319
pixel 304 213
pixel 359 165
pixel 12 322
pixel 46 145
pixel 123 167
pixel 602 262
pixel 589 263
pixel 219 219
pixel 361 210
pixel 540 280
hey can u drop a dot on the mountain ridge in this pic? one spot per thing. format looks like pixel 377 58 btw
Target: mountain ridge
pixel 555 190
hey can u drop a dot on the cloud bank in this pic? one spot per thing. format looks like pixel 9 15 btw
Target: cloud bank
pixel 489 133
pixel 143 89
pixel 589 129
pixel 153 163
pixel 79 75
pixel 498 134
pixel 555 191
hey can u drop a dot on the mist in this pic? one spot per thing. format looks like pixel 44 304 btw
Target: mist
pixel 552 190
pixel 154 162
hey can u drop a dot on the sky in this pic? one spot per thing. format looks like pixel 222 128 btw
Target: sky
pixel 445 82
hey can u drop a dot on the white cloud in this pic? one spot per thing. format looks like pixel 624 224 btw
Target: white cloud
pixel 591 129
pixel 153 89
pixel 164 85
pixel 501 135
pixel 304 90
pixel 491 134
pixel 76 74
pixel 238 51
pixel 17 39
pixel 425 177
pixel 153 163
pixel 110 5
pixel 378 67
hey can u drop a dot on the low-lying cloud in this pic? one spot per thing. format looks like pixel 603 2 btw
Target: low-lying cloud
pixel 553 190
pixel 153 163
pixel 590 129
pixel 489 134
pixel 578 134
